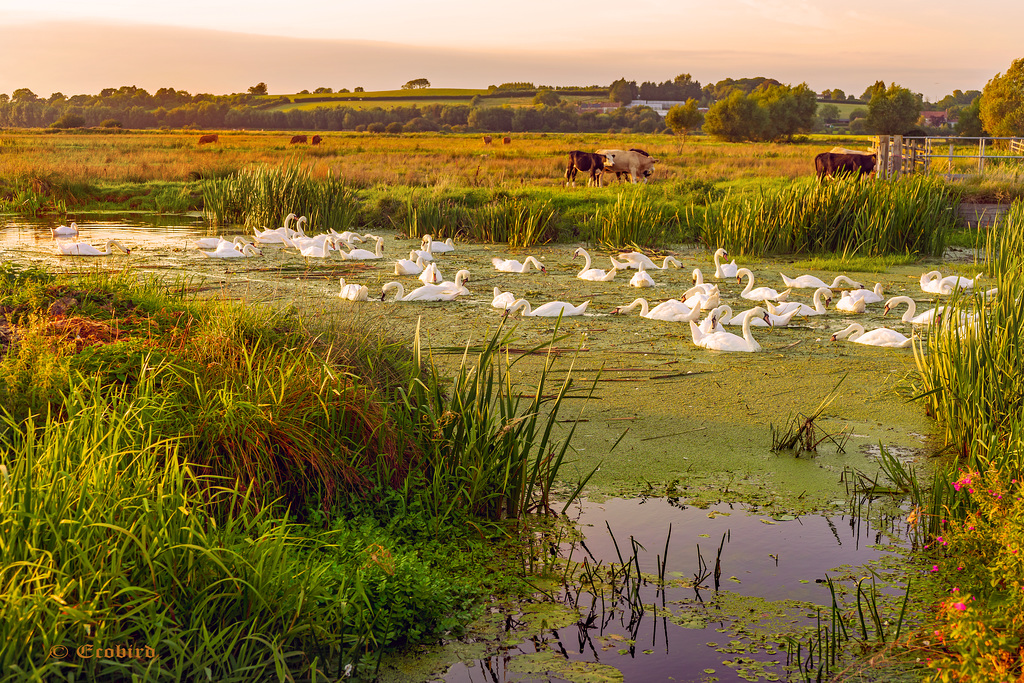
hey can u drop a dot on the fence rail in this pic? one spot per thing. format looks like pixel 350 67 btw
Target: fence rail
pixel 901 155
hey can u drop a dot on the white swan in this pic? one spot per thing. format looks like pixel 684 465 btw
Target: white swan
pixel 438 247
pixel 634 259
pixel 348 237
pixel 723 270
pixel 513 266
pixel 82 249
pixel 503 300
pixel 354 292
pixel 320 248
pixel 870 296
pixel 246 251
pixel 696 296
pixel 65 230
pixel 426 254
pixel 671 311
pixel 431 275
pixel 413 265
pixel 595 274
pixel 809 282
pixel 641 279
pixel 218 243
pixel 760 293
pixel 445 291
pixel 851 304
pixel 724 316
pixel 822 298
pixel 933 282
pixel 910 315
pixel 364 254
pixel 727 341
pixel 551 309
pixel 274 235
pixel 716 318
pixel 881 336
pixel 698 281
pixel 958 282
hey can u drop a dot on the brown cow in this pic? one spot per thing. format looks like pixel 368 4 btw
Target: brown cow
pixel 588 162
pixel 506 141
pixel 296 139
pixel 832 164
pixel 208 138
pixel 487 139
pixel 316 140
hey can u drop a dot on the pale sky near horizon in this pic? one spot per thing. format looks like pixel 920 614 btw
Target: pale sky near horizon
pixel 76 46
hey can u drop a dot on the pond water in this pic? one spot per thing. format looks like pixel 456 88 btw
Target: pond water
pixel 772 585
pixel 665 417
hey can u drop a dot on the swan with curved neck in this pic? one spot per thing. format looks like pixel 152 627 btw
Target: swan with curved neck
pixel 870 296
pixel 696 296
pixel 431 274
pixel 850 304
pixel 426 254
pixel 671 311
pixel 634 259
pixel 513 266
pixel 413 265
pixel 219 243
pixel 65 230
pixel 353 292
pixel 881 336
pixel 246 251
pixel 320 248
pixel 435 247
pixel 759 293
pixel 727 341
pixel 822 298
pixel 82 249
pixel 809 282
pixel 724 270
pixel 910 315
pixel 641 279
pixel 551 309
pixel 933 282
pixel 445 291
pixel 698 281
pixel 593 274
pixel 275 235
pixel 503 300
pixel 365 254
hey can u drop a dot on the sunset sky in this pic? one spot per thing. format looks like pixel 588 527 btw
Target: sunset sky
pixel 76 46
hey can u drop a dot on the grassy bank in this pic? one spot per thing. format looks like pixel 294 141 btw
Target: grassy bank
pixel 232 495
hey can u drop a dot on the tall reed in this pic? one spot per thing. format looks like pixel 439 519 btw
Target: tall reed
pixel 262 196
pixel 521 223
pixel 910 215
pixel 634 220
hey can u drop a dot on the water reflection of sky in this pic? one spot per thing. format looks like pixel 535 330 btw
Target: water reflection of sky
pixel 808 548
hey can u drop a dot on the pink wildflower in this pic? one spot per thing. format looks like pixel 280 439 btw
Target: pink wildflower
pixel 960 606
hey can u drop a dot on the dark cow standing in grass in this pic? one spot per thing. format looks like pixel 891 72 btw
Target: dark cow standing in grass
pixel 832 164
pixel 588 162
pixel 296 139
pixel 205 139
pixel 315 140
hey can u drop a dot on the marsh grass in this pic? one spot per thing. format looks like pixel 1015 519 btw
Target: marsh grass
pixel 635 219
pixel 845 217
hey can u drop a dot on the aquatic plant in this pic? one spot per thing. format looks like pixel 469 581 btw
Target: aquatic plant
pixel 633 220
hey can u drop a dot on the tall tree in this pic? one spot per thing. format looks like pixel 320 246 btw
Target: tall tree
pixel 790 110
pixel 968 123
pixel 416 83
pixel 1002 102
pixel 736 118
pixel 623 91
pixel 893 112
pixel 872 90
pixel 258 89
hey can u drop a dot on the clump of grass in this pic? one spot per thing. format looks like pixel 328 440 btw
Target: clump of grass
pixel 910 215
pixel 520 223
pixel 261 196
pixel 633 220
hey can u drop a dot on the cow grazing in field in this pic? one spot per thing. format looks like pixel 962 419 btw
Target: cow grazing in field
pixel 588 162
pixel 832 164
pixel 506 141
pixel 487 139
pixel 297 139
pixel 315 140
pixel 636 163
pixel 204 139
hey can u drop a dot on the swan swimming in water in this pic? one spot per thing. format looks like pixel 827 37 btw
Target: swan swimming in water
pixel 760 293
pixel 594 274
pixel 65 230
pixel 811 282
pixel 727 341
pixel 354 292
pixel 910 315
pixel 445 291
pixel 246 251
pixel 698 281
pixel 503 300
pixel 365 254
pixel 551 309
pixel 82 249
pixel 724 316
pixel 822 298
pixel 634 259
pixel 870 296
pixel 413 265
pixel 724 270
pixel 850 304
pixel 513 266
pixel 431 275
pixel 881 336
pixel 218 243
pixel 671 311
pixel 933 282
pixel 436 247
pixel 641 279
pixel 275 235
